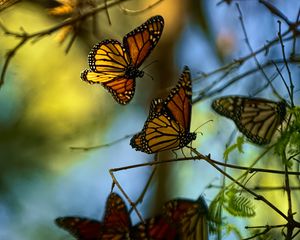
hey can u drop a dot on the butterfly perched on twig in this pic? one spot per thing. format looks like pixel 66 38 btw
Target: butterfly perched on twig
pixel 115 225
pixel 116 66
pixel 169 120
pixel 256 118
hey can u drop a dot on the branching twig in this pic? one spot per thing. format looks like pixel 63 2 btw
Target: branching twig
pixel 115 182
pixel 207 92
pixel 25 37
pixel 130 11
pixel 267 229
pixel 249 169
pixel 252 52
pixel 102 145
pixel 287 66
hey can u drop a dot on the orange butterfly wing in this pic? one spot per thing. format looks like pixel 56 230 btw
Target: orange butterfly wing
pixel 140 42
pixel 189 217
pixel 168 124
pixel 81 228
pixel 179 101
pixel 256 118
pixel 116 66
pixel 121 89
pixel 116 224
pixel 155 228
pixel 117 221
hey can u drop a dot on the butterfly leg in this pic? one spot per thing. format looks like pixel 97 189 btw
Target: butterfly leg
pixel 176 156
pixel 182 152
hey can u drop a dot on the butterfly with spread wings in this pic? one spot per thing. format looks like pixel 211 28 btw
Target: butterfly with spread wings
pixel 189 217
pixel 168 123
pixel 116 66
pixel 116 223
pixel 256 118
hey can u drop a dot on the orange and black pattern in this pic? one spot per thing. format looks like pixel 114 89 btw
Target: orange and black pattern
pixel 155 228
pixel 115 66
pixel 189 217
pixel 81 228
pixel 256 118
pixel 168 123
pixel 116 224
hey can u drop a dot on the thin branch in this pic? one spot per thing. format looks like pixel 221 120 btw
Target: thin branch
pixel 131 12
pixel 256 196
pixel 25 37
pixel 142 195
pixel 251 51
pixel 240 61
pixel 283 80
pixel 260 188
pixel 276 11
pixel 102 145
pixel 10 54
pixel 249 169
pixel 206 93
pixel 115 182
pixel 267 229
pixel 287 66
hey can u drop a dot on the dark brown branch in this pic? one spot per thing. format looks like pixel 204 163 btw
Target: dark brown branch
pixel 25 37
pixel 102 145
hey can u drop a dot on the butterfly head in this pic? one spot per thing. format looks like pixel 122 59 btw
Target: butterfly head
pixel 189 137
pixel 133 72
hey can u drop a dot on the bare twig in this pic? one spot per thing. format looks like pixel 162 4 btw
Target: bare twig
pixel 207 92
pixel 130 11
pixel 266 228
pixel 115 182
pixel 25 37
pixel 252 52
pixel 287 66
pixel 256 196
pixel 142 195
pixel 102 145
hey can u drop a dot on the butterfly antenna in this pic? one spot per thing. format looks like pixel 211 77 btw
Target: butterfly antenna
pixel 155 61
pixel 149 64
pixel 149 75
pixel 203 125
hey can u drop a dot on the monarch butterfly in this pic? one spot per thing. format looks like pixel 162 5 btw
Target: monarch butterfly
pixel 116 223
pixel 256 118
pixel 189 217
pixel 168 123
pixel 155 228
pixel 115 66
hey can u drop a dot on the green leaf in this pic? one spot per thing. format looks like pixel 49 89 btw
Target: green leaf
pixel 238 145
pixel 238 205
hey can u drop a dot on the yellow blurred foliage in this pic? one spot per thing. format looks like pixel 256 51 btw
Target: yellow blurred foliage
pixel 56 98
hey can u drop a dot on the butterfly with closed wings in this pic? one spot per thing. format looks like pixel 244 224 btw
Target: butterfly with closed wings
pixel 116 66
pixel 169 120
pixel 256 118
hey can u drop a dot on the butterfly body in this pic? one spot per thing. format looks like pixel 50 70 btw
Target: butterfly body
pixel 256 118
pixel 116 66
pixel 168 123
